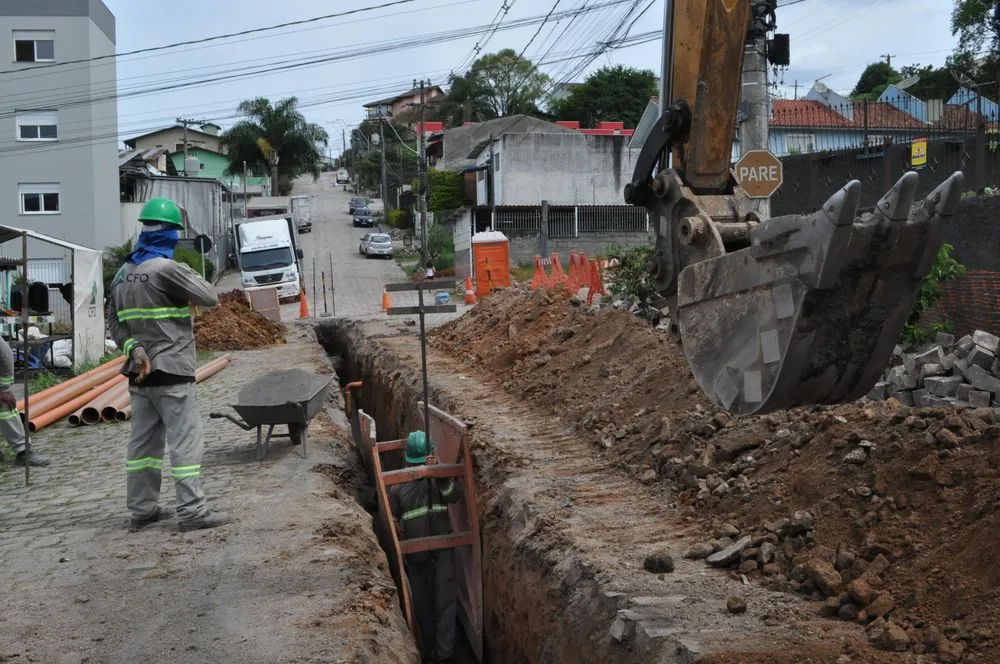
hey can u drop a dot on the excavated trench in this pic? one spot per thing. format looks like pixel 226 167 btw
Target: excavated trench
pixel 533 612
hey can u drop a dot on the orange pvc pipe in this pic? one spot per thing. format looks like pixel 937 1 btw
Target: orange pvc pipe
pixel 79 416
pixel 38 398
pixel 61 411
pixel 109 412
pixel 70 389
pixel 91 413
pixel 123 405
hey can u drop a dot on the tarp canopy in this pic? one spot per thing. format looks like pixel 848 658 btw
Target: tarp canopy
pixel 88 289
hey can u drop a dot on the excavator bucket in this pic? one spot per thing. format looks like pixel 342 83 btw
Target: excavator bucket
pixel 810 312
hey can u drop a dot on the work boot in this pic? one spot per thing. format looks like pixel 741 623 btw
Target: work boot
pixel 34 460
pixel 208 520
pixel 138 523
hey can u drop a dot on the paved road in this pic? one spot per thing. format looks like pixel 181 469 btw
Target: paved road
pixel 295 578
pixel 357 281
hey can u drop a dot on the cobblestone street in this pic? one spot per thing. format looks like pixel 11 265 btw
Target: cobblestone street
pixel 297 577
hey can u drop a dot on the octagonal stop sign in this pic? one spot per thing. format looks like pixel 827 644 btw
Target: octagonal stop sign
pixel 759 173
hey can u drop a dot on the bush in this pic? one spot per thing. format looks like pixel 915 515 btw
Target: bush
pixel 192 258
pixel 631 278
pixel 945 268
pixel 447 191
pixel 440 246
pixel 399 218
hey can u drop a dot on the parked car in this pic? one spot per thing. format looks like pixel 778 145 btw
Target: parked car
pixel 343 177
pixel 356 202
pixel 375 244
pixel 363 217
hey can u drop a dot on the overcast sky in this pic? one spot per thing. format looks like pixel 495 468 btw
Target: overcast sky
pixel 828 37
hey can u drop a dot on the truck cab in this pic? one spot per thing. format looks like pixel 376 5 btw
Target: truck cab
pixel 269 255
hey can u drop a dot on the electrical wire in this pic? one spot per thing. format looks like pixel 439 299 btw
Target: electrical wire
pixel 372 48
pixel 540 26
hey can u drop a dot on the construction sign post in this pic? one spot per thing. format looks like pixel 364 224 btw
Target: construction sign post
pixel 759 173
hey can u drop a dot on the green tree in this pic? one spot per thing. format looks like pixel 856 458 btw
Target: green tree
pixel 510 83
pixel 274 137
pixel 468 100
pixel 615 93
pixel 975 24
pixel 874 80
pixel 934 83
pixel 446 191
pixel 945 268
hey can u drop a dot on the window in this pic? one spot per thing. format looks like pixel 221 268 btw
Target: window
pixel 800 143
pixel 37 126
pixel 35 46
pixel 39 198
pixel 496 162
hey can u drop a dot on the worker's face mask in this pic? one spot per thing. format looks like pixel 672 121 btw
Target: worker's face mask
pixel 155 241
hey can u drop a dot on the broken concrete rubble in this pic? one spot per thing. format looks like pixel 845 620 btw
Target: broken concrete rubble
pixel 962 374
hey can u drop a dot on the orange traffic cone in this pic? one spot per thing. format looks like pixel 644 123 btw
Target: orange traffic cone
pixel 386 300
pixel 303 305
pixel 539 279
pixel 470 295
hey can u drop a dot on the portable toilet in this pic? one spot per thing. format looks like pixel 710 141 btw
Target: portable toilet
pixel 490 261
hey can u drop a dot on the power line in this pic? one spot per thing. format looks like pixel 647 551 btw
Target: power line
pixel 370 49
pixel 203 40
pixel 541 25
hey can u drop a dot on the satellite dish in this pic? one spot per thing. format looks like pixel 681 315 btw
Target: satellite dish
pixel 908 82
pixel 821 88
pixel 963 79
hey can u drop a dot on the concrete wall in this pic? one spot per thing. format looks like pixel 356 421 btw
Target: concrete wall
pixel 524 248
pixel 83 161
pixel 570 168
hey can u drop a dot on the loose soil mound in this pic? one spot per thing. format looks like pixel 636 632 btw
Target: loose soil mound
pixel 904 500
pixel 233 326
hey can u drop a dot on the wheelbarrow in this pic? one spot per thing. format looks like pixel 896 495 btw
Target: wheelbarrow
pixel 291 397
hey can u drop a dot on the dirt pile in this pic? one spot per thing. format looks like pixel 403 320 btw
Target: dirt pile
pixel 234 326
pixel 883 514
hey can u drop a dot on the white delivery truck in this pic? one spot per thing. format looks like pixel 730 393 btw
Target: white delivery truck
pixel 301 215
pixel 269 255
pixel 343 177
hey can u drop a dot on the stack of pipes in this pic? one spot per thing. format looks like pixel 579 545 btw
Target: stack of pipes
pixel 98 395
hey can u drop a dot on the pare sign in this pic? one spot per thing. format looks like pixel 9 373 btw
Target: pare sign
pixel 759 173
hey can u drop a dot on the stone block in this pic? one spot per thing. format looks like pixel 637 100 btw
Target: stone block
pixel 979 399
pixel 903 380
pixel 986 341
pixel 905 398
pixel 919 397
pixel 983 380
pixel 931 356
pixel 962 393
pixel 942 386
pixel 944 339
pixel 933 369
pixel 949 361
pixel 981 357
pixel 880 392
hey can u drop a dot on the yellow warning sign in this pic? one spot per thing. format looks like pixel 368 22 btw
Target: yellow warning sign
pixel 918 152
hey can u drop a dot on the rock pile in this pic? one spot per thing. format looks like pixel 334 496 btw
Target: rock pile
pixel 964 374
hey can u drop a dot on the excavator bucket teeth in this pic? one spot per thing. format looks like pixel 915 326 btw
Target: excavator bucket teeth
pixel 811 311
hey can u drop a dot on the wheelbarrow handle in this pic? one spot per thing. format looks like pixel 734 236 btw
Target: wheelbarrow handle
pixel 235 420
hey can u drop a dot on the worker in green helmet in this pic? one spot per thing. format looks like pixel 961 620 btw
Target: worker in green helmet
pixel 150 318
pixel 420 509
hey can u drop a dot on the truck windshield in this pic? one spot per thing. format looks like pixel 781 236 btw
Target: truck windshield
pixel 268 259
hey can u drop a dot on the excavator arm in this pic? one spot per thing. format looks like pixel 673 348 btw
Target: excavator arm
pixel 771 313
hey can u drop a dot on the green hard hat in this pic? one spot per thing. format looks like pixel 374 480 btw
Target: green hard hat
pixel 416 449
pixel 162 210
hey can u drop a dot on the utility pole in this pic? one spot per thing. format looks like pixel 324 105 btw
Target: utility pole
pixel 796 90
pixel 754 129
pixel 423 180
pixel 186 122
pixel 888 58
pixel 385 187
pixel 491 198
pixel 343 149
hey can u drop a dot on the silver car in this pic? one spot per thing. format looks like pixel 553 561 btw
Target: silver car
pixel 375 244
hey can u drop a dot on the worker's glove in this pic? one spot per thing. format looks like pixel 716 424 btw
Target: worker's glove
pixel 142 363
pixel 7 400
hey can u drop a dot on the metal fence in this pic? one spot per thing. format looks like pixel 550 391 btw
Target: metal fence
pixel 564 221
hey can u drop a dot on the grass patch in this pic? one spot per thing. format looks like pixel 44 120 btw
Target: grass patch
pixel 207 355
pixel 43 381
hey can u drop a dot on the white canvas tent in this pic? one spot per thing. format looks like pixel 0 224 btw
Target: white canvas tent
pixel 87 277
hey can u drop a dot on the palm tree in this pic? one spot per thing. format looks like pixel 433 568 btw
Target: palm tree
pixel 275 138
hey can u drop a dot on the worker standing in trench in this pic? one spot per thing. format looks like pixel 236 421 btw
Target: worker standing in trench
pixel 420 509
pixel 153 299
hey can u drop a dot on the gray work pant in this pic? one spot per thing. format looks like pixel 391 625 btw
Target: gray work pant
pixel 435 602
pixel 12 430
pixel 165 416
